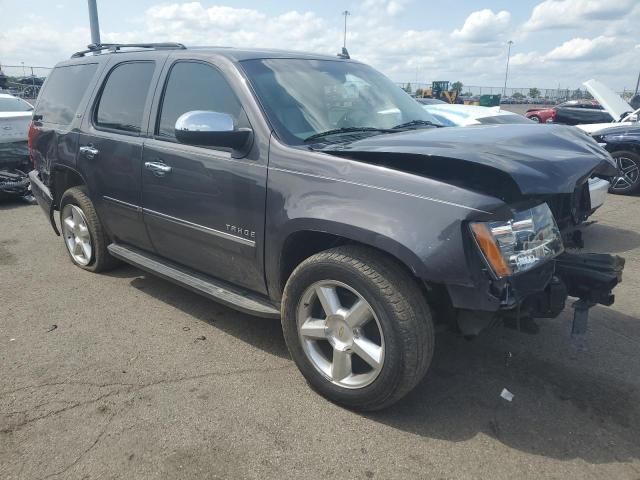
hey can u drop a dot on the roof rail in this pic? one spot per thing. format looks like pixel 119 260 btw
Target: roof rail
pixel 114 47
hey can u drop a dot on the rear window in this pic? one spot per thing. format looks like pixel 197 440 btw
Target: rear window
pixel 123 97
pixel 63 91
pixel 8 104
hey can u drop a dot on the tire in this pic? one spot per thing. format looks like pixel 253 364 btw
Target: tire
pixel 76 202
pixel 628 183
pixel 399 312
pixel 535 118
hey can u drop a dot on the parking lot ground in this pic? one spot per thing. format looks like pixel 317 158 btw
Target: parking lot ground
pixel 142 379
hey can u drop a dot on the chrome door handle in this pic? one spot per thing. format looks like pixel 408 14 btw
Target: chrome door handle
pixel 89 152
pixel 159 169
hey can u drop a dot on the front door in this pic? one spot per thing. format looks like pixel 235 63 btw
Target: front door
pixel 110 153
pixel 203 208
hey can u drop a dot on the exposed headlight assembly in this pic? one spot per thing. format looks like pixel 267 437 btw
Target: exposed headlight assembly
pixel 520 244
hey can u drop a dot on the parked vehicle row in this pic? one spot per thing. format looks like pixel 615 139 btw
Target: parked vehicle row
pixel 313 189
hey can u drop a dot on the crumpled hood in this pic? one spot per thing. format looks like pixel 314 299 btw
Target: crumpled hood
pixel 539 159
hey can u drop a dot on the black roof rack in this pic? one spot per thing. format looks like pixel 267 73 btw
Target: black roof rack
pixel 114 47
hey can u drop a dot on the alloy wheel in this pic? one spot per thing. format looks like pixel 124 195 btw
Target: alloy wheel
pixel 76 234
pixel 340 334
pixel 628 174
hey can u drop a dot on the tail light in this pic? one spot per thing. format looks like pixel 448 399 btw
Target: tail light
pixel 552 118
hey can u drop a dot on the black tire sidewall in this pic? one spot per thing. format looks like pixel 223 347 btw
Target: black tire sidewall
pixel 77 196
pixel 388 379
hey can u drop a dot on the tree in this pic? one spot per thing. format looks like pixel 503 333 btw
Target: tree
pixel 408 88
pixel 457 86
pixel 577 94
pixel 518 96
pixel 419 93
pixel 534 92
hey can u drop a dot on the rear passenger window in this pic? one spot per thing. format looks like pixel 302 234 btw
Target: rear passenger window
pixel 123 97
pixel 63 91
pixel 196 86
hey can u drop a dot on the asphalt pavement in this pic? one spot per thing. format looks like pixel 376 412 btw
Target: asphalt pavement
pixel 124 375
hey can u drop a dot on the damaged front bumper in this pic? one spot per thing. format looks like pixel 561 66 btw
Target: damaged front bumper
pixel 541 293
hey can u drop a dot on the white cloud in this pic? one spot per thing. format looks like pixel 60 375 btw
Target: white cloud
pixel 587 49
pixel 574 13
pixel 484 26
pixel 475 53
pixel 390 7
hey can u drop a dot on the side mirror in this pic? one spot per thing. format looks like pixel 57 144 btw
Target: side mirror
pixel 213 129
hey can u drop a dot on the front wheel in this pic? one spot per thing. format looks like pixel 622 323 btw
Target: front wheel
pixel 535 118
pixel 628 179
pixel 358 327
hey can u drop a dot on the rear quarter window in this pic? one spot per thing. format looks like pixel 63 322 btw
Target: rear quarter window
pixel 63 91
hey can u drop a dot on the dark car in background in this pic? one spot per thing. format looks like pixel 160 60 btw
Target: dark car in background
pixel 573 112
pixel 312 189
pixel 623 142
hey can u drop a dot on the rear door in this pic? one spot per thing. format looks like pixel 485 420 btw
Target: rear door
pixel 56 118
pixel 207 211
pixel 110 151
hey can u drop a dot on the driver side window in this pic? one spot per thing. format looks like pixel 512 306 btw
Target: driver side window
pixel 196 86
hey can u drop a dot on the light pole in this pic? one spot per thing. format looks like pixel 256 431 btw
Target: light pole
pixel 346 13
pixel 506 73
pixel 93 22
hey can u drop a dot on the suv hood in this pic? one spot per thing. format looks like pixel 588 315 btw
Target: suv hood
pixel 611 101
pixel 505 161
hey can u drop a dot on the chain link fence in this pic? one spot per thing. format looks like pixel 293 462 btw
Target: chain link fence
pixel 515 94
pixel 23 81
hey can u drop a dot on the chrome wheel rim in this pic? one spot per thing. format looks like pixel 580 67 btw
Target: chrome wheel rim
pixel 76 234
pixel 628 172
pixel 340 334
pixel 535 119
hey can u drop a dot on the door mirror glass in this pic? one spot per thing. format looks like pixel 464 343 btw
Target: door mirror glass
pixel 212 129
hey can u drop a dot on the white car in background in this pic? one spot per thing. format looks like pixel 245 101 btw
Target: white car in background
pixel 455 115
pixel 614 106
pixel 15 116
pixel 468 115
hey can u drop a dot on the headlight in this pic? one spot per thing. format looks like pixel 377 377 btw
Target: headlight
pixel 520 244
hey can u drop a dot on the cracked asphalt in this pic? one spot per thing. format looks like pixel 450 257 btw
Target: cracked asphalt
pixel 126 386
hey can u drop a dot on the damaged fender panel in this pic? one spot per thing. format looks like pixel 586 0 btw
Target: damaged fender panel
pixel 420 221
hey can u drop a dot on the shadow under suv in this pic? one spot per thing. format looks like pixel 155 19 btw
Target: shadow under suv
pixel 313 189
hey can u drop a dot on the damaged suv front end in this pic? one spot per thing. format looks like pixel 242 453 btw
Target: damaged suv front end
pixel 478 214
pixel 539 176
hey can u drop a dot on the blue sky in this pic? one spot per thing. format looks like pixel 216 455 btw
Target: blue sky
pixel 556 42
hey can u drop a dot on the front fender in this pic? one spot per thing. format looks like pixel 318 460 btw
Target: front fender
pixel 420 221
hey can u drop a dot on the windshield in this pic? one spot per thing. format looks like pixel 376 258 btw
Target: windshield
pixel 13 104
pixel 303 98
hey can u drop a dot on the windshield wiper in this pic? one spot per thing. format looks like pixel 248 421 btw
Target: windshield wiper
pixel 347 130
pixel 415 123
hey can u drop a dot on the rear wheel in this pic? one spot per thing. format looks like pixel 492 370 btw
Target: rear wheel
pixel 83 233
pixel 535 118
pixel 357 326
pixel 628 179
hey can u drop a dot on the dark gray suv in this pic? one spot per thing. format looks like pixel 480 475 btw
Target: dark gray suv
pixel 312 189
